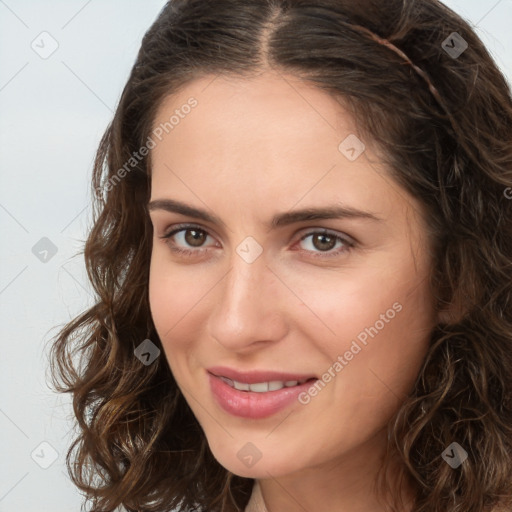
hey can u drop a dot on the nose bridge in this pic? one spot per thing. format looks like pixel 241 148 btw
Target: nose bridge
pixel 245 285
pixel 248 305
pixel 248 265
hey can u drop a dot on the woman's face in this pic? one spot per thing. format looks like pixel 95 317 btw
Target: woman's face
pixel 273 292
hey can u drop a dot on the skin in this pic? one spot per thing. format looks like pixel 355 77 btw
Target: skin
pixel 251 149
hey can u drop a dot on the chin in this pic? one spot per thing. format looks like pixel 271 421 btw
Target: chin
pixel 260 470
pixel 245 460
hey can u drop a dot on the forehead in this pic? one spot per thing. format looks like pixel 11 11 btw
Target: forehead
pixel 285 93
pixel 271 112
pixel 269 140
pixel 254 124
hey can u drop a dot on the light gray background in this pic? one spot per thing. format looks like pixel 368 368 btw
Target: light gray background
pixel 53 112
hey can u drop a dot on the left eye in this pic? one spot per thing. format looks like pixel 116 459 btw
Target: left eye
pixel 324 241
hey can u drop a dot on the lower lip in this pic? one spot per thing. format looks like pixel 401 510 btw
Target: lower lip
pixel 248 404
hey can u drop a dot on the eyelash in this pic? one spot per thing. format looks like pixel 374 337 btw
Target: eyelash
pixel 194 252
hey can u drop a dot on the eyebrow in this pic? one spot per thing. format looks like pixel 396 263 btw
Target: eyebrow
pixel 279 220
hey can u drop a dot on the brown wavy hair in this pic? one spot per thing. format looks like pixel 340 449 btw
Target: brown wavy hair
pixel 444 126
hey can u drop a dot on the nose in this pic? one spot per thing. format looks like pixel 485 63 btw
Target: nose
pixel 251 308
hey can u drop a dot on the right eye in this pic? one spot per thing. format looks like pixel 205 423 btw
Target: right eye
pixel 197 235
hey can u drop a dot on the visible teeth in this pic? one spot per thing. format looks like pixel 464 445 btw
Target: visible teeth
pixel 227 381
pixel 274 385
pixel 261 387
pixel 241 386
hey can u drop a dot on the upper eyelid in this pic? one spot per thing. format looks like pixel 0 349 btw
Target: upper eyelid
pixel 307 231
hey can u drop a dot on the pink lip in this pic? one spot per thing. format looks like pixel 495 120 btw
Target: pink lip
pixel 249 404
pixel 255 376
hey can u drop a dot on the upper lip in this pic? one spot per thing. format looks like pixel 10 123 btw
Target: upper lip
pixel 254 376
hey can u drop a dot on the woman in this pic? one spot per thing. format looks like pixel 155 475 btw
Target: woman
pixel 302 253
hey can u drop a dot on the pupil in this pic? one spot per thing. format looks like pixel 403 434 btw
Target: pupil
pixel 322 238
pixel 199 235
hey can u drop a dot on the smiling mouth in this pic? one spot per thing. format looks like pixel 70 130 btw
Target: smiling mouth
pixel 264 387
pixel 256 394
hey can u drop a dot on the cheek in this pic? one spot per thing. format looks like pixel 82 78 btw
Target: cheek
pixel 378 321
pixel 373 359
pixel 385 343
pixel 173 291
pixel 169 300
pixel 177 296
pixel 162 292
pixel 335 307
